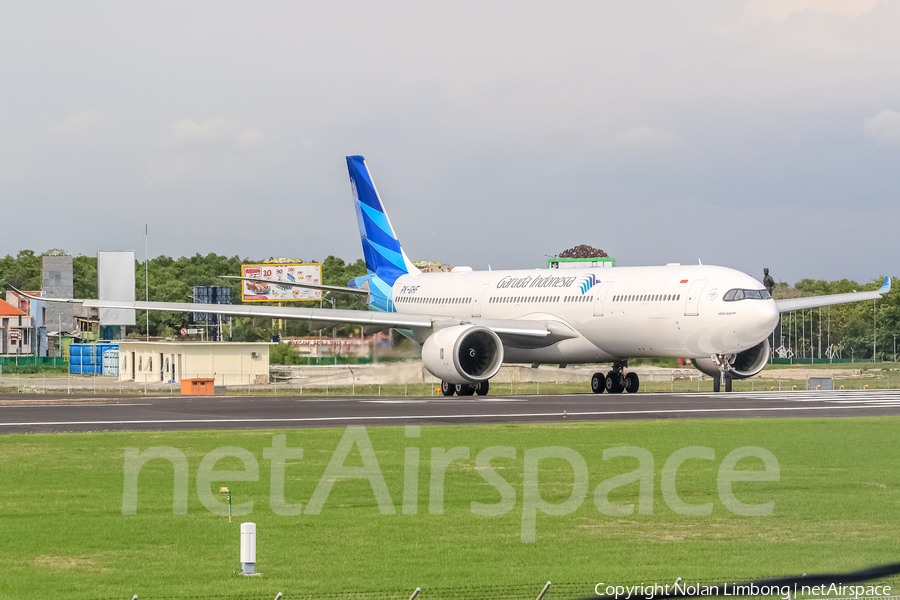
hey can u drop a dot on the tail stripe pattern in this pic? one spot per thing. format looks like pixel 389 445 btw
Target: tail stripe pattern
pixel 385 260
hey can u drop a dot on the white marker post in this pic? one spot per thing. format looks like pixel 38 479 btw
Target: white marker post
pixel 248 548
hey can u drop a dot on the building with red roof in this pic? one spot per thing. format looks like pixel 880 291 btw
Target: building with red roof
pixel 16 329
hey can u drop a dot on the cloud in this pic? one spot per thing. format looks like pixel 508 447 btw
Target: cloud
pixel 884 127
pixel 82 121
pixel 644 136
pixel 779 10
pixel 212 133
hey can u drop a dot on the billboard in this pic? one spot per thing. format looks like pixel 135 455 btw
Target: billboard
pixel 252 291
pixel 210 295
pixel 115 281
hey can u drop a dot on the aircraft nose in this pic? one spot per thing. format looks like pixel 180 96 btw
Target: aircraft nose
pixel 767 317
pixel 762 320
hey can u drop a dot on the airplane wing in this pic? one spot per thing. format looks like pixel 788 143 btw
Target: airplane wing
pixel 312 286
pixel 423 324
pixel 816 301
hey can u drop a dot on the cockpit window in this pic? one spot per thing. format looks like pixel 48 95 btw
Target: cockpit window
pixel 733 295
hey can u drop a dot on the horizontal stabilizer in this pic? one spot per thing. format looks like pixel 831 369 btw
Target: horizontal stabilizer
pixel 300 284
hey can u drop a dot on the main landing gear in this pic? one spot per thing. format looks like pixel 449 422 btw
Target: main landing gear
pixel 616 381
pixel 465 389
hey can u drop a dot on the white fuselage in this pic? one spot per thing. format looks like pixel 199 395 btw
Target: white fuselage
pixel 673 311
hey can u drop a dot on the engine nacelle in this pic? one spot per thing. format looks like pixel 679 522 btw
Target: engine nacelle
pixel 743 365
pixel 463 354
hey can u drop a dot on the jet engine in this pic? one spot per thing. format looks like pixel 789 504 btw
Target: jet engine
pixel 463 354
pixel 743 364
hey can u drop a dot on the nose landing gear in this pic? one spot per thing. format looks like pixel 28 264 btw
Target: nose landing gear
pixel 725 377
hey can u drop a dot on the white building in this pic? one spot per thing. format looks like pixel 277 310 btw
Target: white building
pixel 229 363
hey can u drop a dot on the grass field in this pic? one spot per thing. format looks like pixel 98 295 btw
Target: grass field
pixel 63 532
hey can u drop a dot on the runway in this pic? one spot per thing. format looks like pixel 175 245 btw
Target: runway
pixel 33 414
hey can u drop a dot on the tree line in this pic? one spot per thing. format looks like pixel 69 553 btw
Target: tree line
pixel 853 327
pixel 173 280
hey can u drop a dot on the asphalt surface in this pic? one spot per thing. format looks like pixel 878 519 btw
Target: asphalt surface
pixel 47 413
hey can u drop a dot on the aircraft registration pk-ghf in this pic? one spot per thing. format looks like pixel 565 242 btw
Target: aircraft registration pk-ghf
pixel 469 323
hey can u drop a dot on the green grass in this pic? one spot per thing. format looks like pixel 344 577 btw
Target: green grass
pixel 63 534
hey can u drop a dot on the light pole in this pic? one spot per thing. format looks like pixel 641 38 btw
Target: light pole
pixel 147 273
pixel 895 347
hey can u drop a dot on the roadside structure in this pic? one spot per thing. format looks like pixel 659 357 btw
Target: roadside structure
pixel 229 363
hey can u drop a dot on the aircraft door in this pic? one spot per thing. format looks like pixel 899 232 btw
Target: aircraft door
pixel 599 296
pixel 479 298
pixel 692 303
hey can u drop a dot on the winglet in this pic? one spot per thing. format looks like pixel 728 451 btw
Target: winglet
pixel 20 292
pixel 886 287
pixel 43 299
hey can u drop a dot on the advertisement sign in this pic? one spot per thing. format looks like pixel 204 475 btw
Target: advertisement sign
pixel 115 281
pixel 252 291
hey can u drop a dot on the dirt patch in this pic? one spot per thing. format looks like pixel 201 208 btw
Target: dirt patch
pixel 64 563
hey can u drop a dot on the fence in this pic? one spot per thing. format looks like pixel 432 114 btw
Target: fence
pixel 35 361
pixel 411 379
pixel 536 591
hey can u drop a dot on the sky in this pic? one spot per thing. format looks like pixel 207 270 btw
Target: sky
pixel 748 134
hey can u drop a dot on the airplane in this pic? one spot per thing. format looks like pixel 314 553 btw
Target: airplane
pixel 469 323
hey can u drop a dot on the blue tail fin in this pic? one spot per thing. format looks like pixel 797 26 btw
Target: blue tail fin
pixel 381 248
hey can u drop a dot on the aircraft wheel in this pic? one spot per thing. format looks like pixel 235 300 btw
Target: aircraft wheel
pixel 464 389
pixel 598 383
pixel 447 389
pixel 632 382
pixel 728 380
pixel 481 388
pixel 615 383
pixel 717 384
